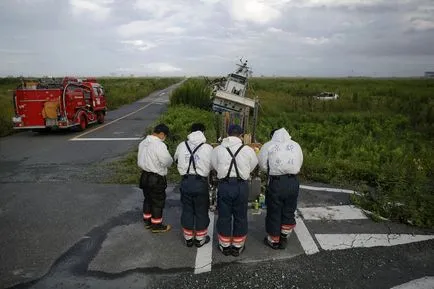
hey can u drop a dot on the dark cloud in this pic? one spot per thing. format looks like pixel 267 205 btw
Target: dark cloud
pixel 300 38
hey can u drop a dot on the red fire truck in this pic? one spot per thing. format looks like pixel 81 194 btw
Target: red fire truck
pixel 58 103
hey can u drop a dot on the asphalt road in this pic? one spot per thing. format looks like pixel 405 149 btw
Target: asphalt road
pixel 61 231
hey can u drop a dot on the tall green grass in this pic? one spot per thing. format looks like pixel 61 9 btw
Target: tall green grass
pixel 413 98
pixel 378 137
pixel 193 92
pixel 6 104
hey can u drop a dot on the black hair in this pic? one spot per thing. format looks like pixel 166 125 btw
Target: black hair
pixel 197 127
pixel 235 130
pixel 161 128
pixel 272 132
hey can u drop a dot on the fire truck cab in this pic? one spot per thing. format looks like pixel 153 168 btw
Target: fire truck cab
pixel 58 103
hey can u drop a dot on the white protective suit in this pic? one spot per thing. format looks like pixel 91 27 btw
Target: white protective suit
pixel 202 155
pixel 282 153
pixel 221 159
pixel 153 156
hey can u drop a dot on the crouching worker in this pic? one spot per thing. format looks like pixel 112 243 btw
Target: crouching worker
pixel 193 157
pixel 282 158
pixel 233 162
pixel 154 159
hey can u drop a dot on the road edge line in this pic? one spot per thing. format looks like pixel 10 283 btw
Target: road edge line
pixel 203 261
pixel 116 120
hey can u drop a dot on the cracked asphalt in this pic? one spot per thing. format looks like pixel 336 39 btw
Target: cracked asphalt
pixel 60 229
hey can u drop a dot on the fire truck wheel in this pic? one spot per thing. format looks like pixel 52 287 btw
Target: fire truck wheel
pixel 100 117
pixel 83 122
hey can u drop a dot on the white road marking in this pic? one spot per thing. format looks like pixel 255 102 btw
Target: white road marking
pixel 204 253
pixel 163 93
pixel 105 138
pixel 305 237
pixel 115 120
pixel 347 241
pixel 426 282
pixel 333 213
pixel 323 189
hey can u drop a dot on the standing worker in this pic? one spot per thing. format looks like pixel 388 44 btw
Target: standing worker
pixel 233 162
pixel 282 158
pixel 193 157
pixel 154 159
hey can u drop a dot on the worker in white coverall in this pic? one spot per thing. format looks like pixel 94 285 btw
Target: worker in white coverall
pixel 154 159
pixel 282 159
pixel 193 158
pixel 233 162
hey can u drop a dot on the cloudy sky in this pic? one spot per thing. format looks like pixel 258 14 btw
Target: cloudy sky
pixel 206 37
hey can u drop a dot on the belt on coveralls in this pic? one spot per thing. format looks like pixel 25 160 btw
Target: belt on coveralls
pixel 282 176
pixel 153 174
pixel 197 177
pixel 230 180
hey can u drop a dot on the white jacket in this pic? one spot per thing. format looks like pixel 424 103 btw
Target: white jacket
pixel 202 157
pixel 282 153
pixel 221 159
pixel 153 156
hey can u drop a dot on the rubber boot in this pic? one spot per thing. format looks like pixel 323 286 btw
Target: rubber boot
pixel 236 251
pixel 283 241
pixel 272 245
pixel 189 243
pixel 160 228
pixel 202 242
pixel 147 223
pixel 225 250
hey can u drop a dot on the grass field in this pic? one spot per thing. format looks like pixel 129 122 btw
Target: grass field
pixel 378 137
pixel 119 91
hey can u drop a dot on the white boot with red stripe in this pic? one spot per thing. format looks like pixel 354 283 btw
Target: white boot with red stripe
pixel 188 237
pixel 147 220
pixel 285 232
pixel 238 245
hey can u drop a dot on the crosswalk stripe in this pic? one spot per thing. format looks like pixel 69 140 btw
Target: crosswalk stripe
pixel 204 253
pixel 346 241
pixel 305 237
pixel 426 282
pixel 325 189
pixel 345 212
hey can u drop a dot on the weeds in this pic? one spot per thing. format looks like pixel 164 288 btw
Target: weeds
pixel 194 92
